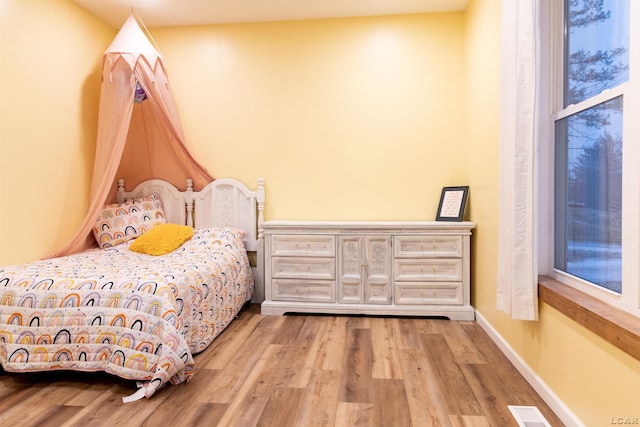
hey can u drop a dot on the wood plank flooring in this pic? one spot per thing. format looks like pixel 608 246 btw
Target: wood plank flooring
pixel 300 371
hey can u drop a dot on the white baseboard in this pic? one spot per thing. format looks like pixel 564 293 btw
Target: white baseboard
pixel 550 398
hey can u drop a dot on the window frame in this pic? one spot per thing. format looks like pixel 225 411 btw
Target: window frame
pixel 551 71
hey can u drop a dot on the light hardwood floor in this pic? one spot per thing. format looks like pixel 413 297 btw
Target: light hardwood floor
pixel 300 371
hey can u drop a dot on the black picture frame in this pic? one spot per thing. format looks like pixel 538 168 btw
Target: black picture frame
pixel 453 202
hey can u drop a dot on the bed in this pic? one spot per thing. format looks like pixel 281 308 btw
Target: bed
pixel 121 310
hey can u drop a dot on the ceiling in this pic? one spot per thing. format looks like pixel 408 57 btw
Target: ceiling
pixel 163 13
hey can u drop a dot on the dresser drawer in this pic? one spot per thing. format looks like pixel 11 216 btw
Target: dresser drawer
pixel 427 269
pixel 310 268
pixel 309 245
pixel 303 290
pixel 428 246
pixel 428 293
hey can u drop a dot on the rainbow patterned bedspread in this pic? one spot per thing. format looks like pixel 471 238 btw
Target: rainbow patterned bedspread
pixel 136 316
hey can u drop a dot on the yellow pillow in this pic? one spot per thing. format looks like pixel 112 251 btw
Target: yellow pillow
pixel 162 239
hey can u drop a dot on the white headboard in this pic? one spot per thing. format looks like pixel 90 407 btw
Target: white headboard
pixel 174 201
pixel 221 203
pixel 228 203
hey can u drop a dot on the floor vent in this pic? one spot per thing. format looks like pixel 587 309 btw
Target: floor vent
pixel 528 416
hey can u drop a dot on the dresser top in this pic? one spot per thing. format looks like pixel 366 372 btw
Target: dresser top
pixel 370 226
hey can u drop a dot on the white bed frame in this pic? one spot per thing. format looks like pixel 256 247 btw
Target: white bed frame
pixel 221 203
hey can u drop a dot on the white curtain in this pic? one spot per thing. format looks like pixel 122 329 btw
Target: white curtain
pixel 517 260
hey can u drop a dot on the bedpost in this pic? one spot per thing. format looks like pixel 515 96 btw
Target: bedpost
pixel 120 191
pixel 260 200
pixel 259 280
pixel 189 202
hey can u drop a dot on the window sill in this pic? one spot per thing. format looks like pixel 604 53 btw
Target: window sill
pixel 610 323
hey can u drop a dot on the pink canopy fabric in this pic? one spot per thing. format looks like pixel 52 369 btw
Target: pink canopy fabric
pixel 135 141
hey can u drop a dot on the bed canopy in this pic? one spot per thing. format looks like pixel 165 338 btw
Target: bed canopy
pixel 139 133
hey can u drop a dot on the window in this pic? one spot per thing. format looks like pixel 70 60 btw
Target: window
pixel 596 214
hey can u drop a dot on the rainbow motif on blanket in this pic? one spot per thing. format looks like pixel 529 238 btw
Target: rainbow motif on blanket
pixel 133 315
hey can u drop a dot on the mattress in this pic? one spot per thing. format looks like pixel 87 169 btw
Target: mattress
pixel 137 316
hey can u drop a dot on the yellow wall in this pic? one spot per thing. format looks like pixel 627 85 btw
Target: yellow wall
pixel 595 380
pixel 50 57
pixel 345 118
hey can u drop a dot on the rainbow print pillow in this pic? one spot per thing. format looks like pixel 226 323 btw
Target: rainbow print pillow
pixel 120 222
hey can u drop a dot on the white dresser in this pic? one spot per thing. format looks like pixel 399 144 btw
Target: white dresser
pixel 417 268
